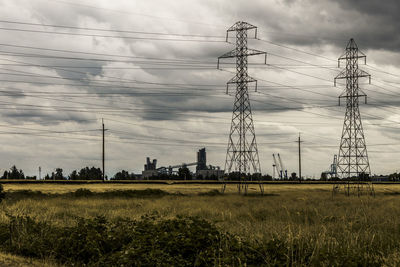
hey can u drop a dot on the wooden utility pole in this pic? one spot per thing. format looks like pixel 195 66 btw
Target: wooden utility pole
pixel 102 121
pixel 299 142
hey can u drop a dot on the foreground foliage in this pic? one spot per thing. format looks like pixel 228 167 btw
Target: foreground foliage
pixel 2 193
pixel 181 241
pixel 114 228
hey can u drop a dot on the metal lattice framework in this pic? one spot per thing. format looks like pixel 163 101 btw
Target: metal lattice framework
pixel 242 153
pixel 353 157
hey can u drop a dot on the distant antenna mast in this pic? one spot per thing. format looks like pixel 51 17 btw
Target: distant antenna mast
pixel 242 153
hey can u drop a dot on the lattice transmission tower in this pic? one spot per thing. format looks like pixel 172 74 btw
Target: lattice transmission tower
pixel 353 160
pixel 242 153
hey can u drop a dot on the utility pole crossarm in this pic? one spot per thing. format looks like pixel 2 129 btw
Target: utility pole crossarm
pixel 345 57
pixel 235 53
pixel 359 73
pixel 355 53
pixel 240 26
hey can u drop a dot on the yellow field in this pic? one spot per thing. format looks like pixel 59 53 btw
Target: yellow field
pixel 250 215
pixel 301 215
pixel 185 188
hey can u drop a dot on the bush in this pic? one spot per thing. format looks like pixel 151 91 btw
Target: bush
pixel 2 193
pixel 183 241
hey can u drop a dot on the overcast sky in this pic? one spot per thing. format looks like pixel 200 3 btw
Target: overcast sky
pixel 150 71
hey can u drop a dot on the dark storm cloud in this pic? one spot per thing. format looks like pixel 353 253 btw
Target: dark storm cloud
pixel 315 26
pixel 387 8
pixel 374 24
pixel 382 22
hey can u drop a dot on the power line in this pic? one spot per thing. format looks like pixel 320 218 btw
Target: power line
pixel 109 30
pixel 111 36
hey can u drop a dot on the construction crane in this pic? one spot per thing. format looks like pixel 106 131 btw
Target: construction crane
pixel 275 166
pixel 283 170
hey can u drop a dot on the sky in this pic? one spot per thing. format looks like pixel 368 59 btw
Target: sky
pixel 149 69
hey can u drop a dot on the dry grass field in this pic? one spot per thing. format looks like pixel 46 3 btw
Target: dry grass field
pixel 314 226
pixel 183 188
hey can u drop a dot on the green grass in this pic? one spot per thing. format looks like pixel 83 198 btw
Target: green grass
pixel 293 224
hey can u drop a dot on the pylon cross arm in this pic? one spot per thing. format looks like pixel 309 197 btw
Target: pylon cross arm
pixel 360 74
pixel 236 80
pixel 235 53
pixel 241 25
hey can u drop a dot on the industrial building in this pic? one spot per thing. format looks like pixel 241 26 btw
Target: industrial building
pixel 202 170
pixel 150 169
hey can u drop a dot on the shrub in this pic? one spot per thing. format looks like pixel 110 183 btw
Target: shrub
pixel 183 241
pixel 2 193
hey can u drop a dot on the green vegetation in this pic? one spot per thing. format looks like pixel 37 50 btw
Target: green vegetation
pixel 292 225
pixel 2 193
pixel 8 260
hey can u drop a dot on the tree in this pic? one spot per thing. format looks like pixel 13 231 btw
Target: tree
pixel 394 177
pixel 74 175
pixel 267 177
pixel 14 173
pixel 364 177
pixel 59 174
pixel 90 174
pixel 184 173
pixel 123 175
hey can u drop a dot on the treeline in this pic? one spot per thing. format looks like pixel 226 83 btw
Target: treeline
pixel 394 177
pixel 93 173
pixel 86 173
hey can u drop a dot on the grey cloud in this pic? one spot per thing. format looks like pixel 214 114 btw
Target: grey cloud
pixel 316 26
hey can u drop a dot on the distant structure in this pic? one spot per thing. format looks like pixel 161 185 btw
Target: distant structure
pixel 201 160
pixel 353 160
pixel 242 153
pixel 283 171
pixel 332 172
pixel 279 167
pixel 202 170
pixel 150 169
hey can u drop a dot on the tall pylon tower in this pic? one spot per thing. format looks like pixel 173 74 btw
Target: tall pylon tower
pixel 353 157
pixel 242 152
